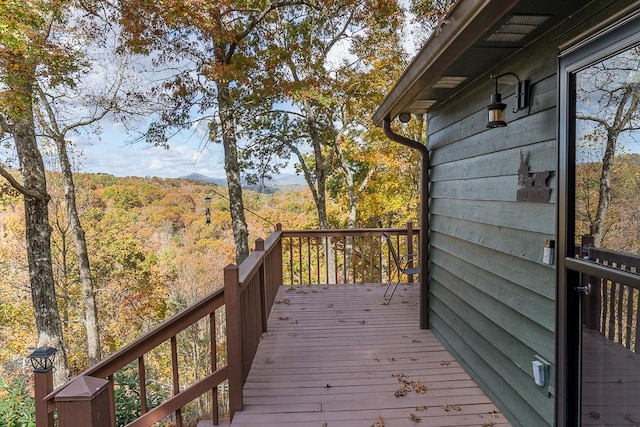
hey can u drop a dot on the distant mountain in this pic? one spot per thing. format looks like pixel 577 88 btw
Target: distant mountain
pixel 204 178
pixel 287 179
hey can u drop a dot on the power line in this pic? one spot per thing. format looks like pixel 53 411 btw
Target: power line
pixel 246 209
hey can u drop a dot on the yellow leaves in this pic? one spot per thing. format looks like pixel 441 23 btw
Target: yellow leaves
pixel 292 334
pixel 419 387
pixel 445 363
pixel 413 417
pixel 379 422
pixel 402 391
pixel 283 318
pixel 448 407
pixel 421 408
pixel 408 385
pixel 268 361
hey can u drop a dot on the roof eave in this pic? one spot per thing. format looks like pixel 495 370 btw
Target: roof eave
pixel 466 23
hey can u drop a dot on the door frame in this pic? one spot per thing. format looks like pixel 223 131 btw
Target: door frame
pixel 606 43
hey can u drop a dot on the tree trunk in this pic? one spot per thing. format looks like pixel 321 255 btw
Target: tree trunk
pixel 232 168
pixel 38 238
pixel 88 294
pixel 604 193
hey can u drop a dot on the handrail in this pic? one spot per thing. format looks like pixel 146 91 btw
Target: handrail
pixel 344 255
pixel 612 303
pixel 247 297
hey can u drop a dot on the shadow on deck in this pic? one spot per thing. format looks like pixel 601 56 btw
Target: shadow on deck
pixel 335 356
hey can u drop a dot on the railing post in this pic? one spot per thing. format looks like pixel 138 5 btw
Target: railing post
pixel 410 247
pixel 43 385
pixel 263 286
pixel 84 402
pixel 234 337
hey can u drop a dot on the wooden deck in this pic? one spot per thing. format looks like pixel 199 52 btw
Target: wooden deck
pixel 335 356
pixel 611 383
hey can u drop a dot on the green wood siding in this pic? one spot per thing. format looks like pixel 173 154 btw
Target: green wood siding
pixel 492 300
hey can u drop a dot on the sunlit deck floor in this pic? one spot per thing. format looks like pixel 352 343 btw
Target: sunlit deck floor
pixel 335 356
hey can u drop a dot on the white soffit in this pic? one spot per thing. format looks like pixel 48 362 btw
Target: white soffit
pixel 449 82
pixel 517 27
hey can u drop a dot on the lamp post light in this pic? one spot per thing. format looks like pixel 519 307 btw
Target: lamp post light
pixel 42 359
pixel 207 211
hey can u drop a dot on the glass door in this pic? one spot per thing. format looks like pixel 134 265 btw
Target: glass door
pixel 601 226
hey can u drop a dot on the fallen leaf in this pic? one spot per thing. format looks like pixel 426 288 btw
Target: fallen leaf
pixel 379 422
pixel 286 301
pixel 362 322
pixel 402 391
pixel 391 359
pixel 325 425
pixel 377 359
pixel 419 387
pixel 313 291
pixel 416 341
pixel 414 418
pixel 494 414
pixel 421 408
pixel 292 334
pixel 413 359
pixel 368 290
pixel 404 379
pixel 489 424
pixel 450 408
pixel 327 386
pixel 329 305
pixel 269 361
pixel 595 415
pixel 283 318
pixel 633 419
pixel 444 363
pixel 367 309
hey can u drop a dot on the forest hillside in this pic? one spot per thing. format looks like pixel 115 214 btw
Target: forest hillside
pixel 151 251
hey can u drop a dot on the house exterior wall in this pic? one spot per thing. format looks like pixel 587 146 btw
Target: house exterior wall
pixel 492 300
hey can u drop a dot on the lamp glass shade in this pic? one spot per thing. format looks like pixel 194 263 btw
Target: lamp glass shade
pixel 496 112
pixel 42 358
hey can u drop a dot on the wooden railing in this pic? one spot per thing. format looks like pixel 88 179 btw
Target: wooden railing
pixel 236 316
pixel 344 256
pixel 612 307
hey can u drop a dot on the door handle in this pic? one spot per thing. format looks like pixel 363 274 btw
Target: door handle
pixel 586 289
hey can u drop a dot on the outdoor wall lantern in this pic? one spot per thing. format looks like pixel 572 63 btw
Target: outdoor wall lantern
pixel 207 211
pixel 496 108
pixel 42 358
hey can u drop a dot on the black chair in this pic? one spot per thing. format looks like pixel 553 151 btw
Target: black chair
pixel 403 264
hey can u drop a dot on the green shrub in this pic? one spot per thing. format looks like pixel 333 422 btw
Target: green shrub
pixel 17 407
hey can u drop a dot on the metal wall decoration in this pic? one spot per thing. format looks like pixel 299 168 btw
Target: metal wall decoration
pixel 532 187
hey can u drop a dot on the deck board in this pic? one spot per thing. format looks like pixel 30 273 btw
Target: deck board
pixel 334 354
